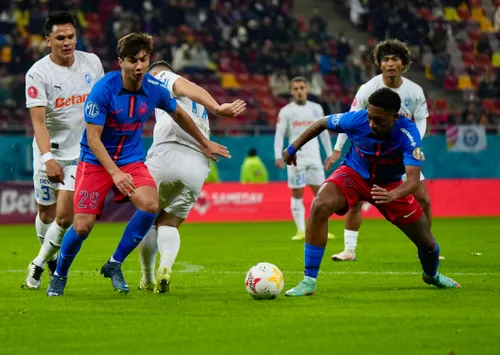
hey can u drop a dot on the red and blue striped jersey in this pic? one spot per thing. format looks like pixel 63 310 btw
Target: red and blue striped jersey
pixel 123 113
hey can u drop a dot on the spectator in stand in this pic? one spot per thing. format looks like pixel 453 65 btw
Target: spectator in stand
pixel 469 114
pixel 485 88
pixel 343 49
pixel 280 84
pixel 483 44
pixel 350 75
pixel 316 83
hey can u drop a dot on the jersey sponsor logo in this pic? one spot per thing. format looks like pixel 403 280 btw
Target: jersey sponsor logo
pixel 296 124
pixel 143 109
pixel 112 123
pixel 91 109
pixel 70 101
pixel 410 137
pixel 32 92
pixel 417 153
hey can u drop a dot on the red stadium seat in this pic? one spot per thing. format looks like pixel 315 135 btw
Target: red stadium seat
pixel 450 83
pixel 488 104
pixel 469 59
pixel 441 104
pixel 466 47
pixel 243 79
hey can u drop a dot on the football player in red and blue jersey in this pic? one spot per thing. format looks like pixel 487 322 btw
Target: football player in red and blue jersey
pixel 385 145
pixel 112 156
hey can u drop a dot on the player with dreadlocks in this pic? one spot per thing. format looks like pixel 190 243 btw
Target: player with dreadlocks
pixel 393 58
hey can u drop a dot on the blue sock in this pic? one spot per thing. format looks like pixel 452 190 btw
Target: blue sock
pixel 429 260
pixel 312 259
pixel 136 229
pixel 70 246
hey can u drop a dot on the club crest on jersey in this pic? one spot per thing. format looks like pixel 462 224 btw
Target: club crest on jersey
pixel 88 78
pixel 32 92
pixel 143 109
pixel 407 102
pixel 91 109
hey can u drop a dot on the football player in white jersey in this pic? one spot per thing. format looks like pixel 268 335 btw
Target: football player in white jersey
pixel 293 119
pixel 56 88
pixel 179 167
pixel 393 58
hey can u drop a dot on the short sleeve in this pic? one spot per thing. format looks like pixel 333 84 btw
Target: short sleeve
pixel 99 68
pixel 360 101
pixel 97 106
pixel 421 110
pixel 340 122
pixel 165 100
pixel 36 94
pixel 168 79
pixel 412 151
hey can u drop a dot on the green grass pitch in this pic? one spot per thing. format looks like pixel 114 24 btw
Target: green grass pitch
pixel 375 305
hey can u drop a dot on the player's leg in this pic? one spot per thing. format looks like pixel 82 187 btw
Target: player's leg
pixel 352 223
pixel 63 220
pixel 419 232
pixel 297 183
pixel 145 200
pixel 336 195
pixel 408 216
pixel 315 176
pixel 93 183
pixel 422 197
pixel 147 250
pixel 45 195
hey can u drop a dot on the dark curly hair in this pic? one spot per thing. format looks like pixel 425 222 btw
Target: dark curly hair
pixel 386 99
pixel 392 47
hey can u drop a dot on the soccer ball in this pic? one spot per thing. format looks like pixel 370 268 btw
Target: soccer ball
pixel 264 281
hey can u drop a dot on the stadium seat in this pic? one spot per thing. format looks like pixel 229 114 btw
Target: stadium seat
pixel 428 73
pixel 228 81
pixel 450 83
pixel 469 59
pixel 488 104
pixel 451 14
pixel 425 13
pixel 477 13
pixel 474 35
pixel 463 12
pixel 464 82
pixel 486 25
pixel 496 60
pixel 440 104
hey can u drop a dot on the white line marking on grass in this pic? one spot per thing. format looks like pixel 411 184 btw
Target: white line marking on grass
pixel 191 268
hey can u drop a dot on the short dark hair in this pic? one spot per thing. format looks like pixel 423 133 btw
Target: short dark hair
pixel 130 45
pixel 161 63
pixel 392 47
pixel 386 99
pixel 252 152
pixel 58 18
pixel 297 79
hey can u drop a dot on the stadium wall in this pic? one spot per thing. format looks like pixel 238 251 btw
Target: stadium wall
pixel 16 158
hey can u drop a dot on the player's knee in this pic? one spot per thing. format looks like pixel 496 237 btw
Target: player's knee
pixel 83 226
pixel 356 208
pixel 47 214
pixel 64 221
pixel 150 205
pixel 322 207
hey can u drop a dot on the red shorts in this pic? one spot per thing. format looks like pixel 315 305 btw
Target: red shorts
pixel 93 183
pixel 402 211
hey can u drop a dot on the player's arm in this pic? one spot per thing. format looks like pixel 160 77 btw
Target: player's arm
pixel 96 109
pixel 326 142
pixel 36 101
pixel 359 103
pixel 412 159
pixel 421 115
pixel 279 136
pixel 184 87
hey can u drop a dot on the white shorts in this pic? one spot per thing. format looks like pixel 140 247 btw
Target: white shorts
pixel 305 173
pixel 46 191
pixel 179 173
pixel 422 177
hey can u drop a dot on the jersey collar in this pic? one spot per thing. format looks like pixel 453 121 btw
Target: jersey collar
pixel 143 90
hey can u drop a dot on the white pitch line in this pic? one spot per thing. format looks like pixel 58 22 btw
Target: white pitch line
pixel 196 269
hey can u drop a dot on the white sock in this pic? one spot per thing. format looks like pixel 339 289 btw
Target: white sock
pixel 51 244
pixel 350 240
pixel 169 243
pixel 299 214
pixel 41 228
pixel 147 255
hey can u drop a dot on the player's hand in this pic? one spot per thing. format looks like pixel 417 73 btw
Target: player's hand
pixel 54 171
pixel 124 182
pixel 230 110
pixel 289 159
pixel 332 159
pixel 381 195
pixel 280 163
pixel 212 150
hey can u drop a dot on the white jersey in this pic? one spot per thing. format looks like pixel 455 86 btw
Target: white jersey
pixel 413 102
pixel 293 120
pixel 63 90
pixel 166 130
